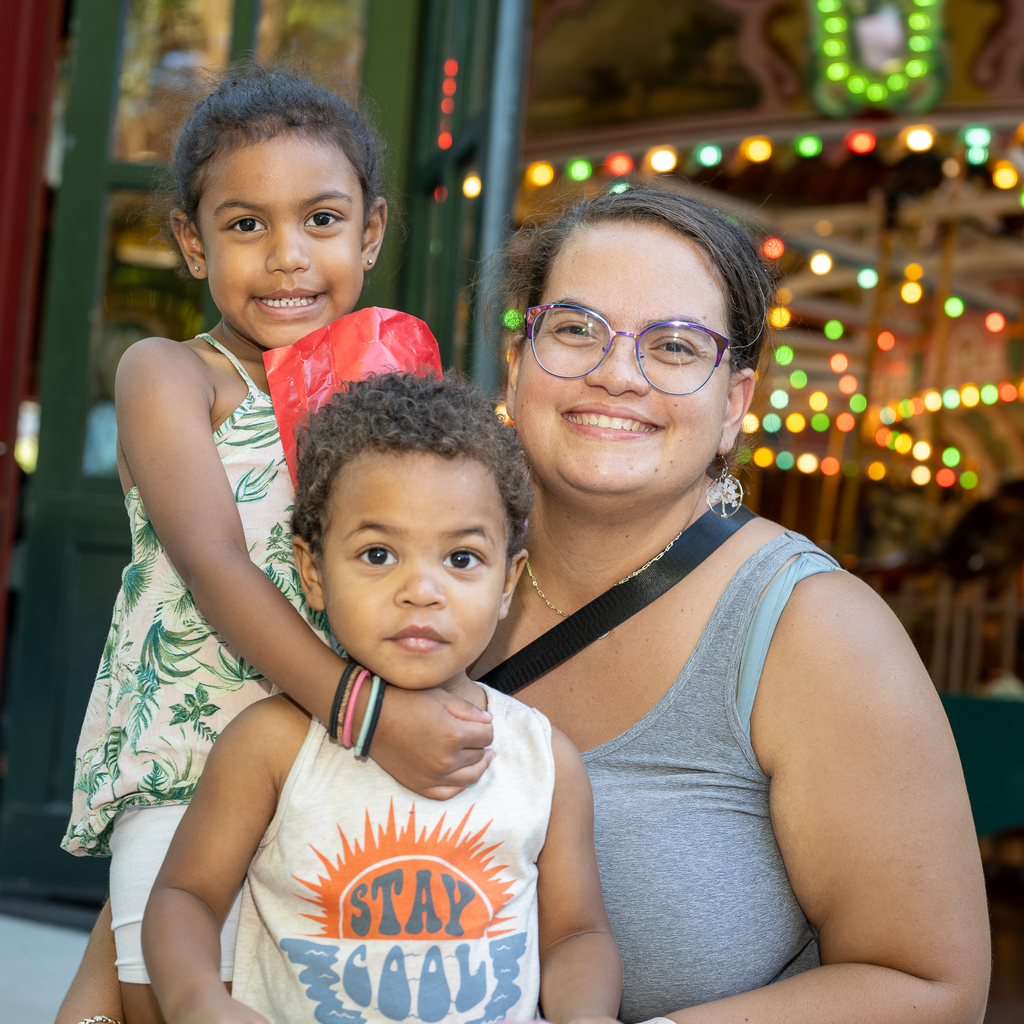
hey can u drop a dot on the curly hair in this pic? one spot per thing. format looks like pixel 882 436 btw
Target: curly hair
pixel 252 102
pixel 398 413
pixel 748 283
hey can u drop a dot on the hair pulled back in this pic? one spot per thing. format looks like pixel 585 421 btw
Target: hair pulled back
pixel 256 102
pixel 397 413
pixel 748 283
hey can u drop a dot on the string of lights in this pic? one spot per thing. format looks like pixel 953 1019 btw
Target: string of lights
pixel 991 152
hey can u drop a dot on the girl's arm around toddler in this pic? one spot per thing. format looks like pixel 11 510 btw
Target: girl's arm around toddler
pixel 169 394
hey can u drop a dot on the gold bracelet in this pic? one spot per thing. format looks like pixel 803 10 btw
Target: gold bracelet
pixel 99 1019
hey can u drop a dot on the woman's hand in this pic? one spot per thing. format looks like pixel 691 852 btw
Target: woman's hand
pixel 432 742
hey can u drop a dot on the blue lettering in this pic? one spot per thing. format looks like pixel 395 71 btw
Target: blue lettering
pixel 319 979
pixel 393 997
pixel 355 978
pixel 434 996
pixel 383 884
pixel 472 987
pixel 360 923
pixel 456 904
pixel 422 907
pixel 505 954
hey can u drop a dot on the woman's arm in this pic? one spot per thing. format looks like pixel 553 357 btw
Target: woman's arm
pixel 871 814
pixel 432 743
pixel 208 858
pixel 580 968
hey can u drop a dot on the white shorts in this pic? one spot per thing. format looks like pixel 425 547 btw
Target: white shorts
pixel 138 845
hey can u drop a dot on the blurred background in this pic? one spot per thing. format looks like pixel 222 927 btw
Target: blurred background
pixel 877 145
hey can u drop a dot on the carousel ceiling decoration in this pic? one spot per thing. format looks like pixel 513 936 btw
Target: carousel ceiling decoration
pixel 899 318
pixel 883 55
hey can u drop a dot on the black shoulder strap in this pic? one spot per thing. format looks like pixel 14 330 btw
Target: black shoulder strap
pixel 614 606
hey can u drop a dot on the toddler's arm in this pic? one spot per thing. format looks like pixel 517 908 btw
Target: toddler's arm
pixel 432 743
pixel 206 863
pixel 580 968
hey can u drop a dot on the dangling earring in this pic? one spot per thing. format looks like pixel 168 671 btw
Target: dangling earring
pixel 726 491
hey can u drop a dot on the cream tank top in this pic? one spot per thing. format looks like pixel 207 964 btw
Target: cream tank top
pixel 167 684
pixel 366 902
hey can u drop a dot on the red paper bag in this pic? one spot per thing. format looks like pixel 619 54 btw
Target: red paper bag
pixel 303 376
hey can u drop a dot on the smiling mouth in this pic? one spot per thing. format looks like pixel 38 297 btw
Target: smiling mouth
pixel 590 419
pixel 301 300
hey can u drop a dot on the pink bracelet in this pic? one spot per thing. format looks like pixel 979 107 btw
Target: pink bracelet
pixel 350 711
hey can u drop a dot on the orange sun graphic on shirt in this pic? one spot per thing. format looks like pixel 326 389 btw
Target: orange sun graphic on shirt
pixel 402 885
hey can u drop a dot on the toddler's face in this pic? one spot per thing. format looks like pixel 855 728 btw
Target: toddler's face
pixel 413 574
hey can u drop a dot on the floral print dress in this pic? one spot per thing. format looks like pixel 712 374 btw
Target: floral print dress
pixel 167 683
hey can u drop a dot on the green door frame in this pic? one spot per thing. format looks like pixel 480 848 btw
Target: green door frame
pixel 76 527
pixel 450 237
pixel 77 539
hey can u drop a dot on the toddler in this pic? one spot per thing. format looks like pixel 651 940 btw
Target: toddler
pixel 361 901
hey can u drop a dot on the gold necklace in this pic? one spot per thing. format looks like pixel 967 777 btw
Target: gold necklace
pixel 636 572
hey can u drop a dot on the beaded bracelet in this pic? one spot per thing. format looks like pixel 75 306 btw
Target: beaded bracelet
pixel 364 749
pixel 367 717
pixel 350 713
pixel 337 710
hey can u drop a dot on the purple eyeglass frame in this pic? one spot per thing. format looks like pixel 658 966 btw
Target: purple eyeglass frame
pixel 535 311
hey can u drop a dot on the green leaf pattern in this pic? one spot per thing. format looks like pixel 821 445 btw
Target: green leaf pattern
pixel 167 684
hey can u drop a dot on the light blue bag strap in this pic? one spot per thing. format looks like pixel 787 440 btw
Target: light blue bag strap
pixel 762 626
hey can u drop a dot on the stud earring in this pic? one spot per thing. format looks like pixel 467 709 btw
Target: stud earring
pixel 369 261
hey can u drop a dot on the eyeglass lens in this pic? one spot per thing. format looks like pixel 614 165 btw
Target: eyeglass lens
pixel 678 359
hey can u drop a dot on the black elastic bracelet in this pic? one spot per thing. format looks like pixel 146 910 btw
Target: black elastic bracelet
pixel 376 717
pixel 332 725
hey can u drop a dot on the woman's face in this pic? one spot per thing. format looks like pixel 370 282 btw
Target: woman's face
pixel 611 432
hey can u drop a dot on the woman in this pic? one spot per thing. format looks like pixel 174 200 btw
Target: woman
pixel 825 868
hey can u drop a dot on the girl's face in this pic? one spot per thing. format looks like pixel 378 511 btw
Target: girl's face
pixel 611 432
pixel 414 573
pixel 280 236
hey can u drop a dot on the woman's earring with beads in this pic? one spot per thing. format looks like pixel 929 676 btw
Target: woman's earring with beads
pixel 725 494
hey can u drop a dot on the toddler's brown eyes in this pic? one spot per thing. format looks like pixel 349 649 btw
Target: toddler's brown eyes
pixel 461 560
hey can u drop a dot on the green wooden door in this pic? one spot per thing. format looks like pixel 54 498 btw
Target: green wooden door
pixel 466 148
pixel 133 72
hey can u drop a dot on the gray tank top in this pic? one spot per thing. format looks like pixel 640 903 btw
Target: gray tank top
pixel 693 879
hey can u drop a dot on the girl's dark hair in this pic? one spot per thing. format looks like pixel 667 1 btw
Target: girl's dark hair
pixel 397 413
pixel 748 283
pixel 255 102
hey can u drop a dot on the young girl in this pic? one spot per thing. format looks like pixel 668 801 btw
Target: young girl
pixel 279 206
pixel 361 902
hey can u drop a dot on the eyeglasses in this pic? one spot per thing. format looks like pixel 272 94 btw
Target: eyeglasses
pixel 677 357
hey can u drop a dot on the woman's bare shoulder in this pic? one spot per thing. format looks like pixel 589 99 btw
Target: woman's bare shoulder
pixel 840 659
pixel 841 608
